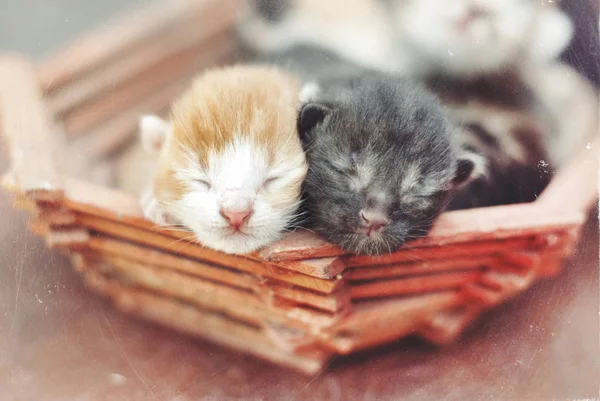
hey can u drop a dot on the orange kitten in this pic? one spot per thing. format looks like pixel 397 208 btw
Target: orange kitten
pixel 230 164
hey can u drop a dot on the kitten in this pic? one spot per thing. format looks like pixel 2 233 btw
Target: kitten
pixel 414 37
pixel 230 165
pixel 467 37
pixel 385 159
pixel 382 156
pixel 514 147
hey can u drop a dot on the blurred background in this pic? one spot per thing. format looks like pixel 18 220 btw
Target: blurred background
pixel 60 342
pixel 39 27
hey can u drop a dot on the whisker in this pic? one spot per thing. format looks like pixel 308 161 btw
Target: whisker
pixel 189 239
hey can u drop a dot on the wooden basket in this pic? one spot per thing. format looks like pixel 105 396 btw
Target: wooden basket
pixel 300 301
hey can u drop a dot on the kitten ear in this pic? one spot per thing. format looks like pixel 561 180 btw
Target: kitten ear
pixel 309 92
pixel 311 115
pixel 470 166
pixel 153 132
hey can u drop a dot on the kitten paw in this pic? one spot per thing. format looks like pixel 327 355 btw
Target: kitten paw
pixel 153 212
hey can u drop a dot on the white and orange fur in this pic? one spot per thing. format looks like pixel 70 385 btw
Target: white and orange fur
pixel 230 164
pixel 419 37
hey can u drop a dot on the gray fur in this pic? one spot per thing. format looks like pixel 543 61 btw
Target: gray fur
pixel 384 146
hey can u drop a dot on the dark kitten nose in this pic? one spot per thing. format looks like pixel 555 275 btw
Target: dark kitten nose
pixel 373 220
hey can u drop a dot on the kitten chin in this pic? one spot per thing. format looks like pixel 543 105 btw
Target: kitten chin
pixel 230 165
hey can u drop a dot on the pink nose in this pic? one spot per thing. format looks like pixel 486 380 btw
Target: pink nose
pixel 373 221
pixel 237 218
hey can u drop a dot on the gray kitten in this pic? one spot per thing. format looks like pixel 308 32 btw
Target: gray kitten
pixel 383 159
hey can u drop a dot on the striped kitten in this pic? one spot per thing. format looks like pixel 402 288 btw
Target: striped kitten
pixel 500 117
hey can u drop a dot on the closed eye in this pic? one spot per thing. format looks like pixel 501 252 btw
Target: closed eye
pixel 339 170
pixel 353 162
pixel 203 183
pixel 397 215
pixel 269 181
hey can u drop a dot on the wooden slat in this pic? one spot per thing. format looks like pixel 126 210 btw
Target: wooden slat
pixel 56 218
pixel 456 227
pixel 451 228
pixel 27 128
pixel 205 294
pixel 380 322
pixel 59 239
pixel 89 195
pixel 528 259
pixel 445 252
pixel 336 302
pixel 146 255
pixel 413 285
pixel 25 204
pixel 92 113
pixel 170 45
pixel 507 285
pixel 326 268
pixel 575 187
pixel 446 325
pixel 300 245
pixel 114 41
pixel 241 305
pixel 133 234
pixel 115 134
pixel 481 295
pixel 109 203
pixel 418 268
pixel 214 327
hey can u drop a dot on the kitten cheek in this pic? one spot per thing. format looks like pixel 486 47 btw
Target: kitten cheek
pixel 280 200
pixel 265 214
pixel 290 182
pixel 200 207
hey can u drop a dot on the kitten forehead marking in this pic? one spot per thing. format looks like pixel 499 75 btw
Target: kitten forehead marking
pixel 411 178
pixel 246 101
